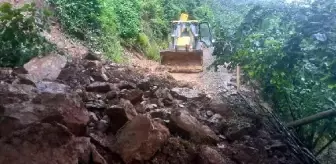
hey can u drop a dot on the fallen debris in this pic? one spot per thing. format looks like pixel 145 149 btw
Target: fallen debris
pixel 128 115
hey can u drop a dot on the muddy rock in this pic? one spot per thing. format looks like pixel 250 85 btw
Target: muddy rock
pixel 97 71
pixel 176 151
pixel 93 117
pixel 74 75
pixel 100 87
pixel 223 109
pixel 102 140
pixel 6 75
pixel 140 139
pixel 25 79
pixel 46 143
pixel 134 95
pixel 149 107
pixel 120 114
pixel 144 84
pixel 100 75
pixel 209 155
pixel 163 93
pixel 92 96
pixel 52 87
pixel 93 65
pixel 102 125
pixel 96 105
pixel 88 152
pixel 216 118
pixel 126 85
pixel 16 93
pixel 66 109
pixel 184 124
pixel 19 70
pixel 236 129
pixel 93 56
pixel 246 154
pixel 111 94
pixel 47 67
pixel 162 113
pixel 45 107
pixel 186 93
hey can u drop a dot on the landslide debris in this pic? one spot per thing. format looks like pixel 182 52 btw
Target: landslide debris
pixel 92 111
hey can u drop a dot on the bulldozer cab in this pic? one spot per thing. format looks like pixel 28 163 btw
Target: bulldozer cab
pixel 185 54
pixel 196 32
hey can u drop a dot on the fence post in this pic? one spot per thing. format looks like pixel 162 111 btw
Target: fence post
pixel 238 77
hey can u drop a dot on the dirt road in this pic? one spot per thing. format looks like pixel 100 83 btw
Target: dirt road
pixel 209 81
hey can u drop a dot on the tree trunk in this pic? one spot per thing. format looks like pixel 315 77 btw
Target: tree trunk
pixel 313 118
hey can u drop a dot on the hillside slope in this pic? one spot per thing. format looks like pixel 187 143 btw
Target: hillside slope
pixel 82 108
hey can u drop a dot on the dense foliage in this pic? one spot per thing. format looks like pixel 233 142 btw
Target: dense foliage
pixel 20 38
pixel 110 24
pixel 290 50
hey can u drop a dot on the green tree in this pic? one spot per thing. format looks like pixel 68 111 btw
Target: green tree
pixel 289 50
pixel 20 38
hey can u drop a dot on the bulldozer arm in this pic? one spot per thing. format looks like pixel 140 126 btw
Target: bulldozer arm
pixel 182 61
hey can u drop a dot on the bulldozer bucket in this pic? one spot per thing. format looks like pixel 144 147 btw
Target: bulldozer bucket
pixel 182 61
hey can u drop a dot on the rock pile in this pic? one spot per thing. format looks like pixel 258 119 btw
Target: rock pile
pixel 91 111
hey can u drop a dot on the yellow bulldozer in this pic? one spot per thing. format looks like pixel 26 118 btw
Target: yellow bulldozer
pixel 185 53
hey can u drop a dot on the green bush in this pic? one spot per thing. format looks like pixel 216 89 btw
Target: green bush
pixel 128 18
pixel 154 25
pixel 108 24
pixel 20 38
pixel 290 51
pixel 143 40
pixel 78 18
pixel 109 41
pixel 153 52
pixel 93 21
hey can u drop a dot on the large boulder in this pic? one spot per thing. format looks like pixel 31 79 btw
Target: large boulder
pixel 120 114
pixel 184 124
pixel 134 95
pixel 23 107
pixel 47 143
pixel 47 67
pixel 140 139
pixel 209 155
pixel 16 93
pixel 97 71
